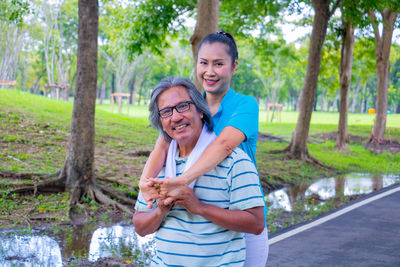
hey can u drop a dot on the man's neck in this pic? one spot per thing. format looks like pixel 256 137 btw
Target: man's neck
pixel 185 148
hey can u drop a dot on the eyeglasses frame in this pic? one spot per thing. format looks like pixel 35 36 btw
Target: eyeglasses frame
pixel 175 107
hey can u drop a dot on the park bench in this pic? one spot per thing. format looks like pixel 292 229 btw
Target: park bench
pixel 274 107
pixel 57 87
pixel 8 83
pixel 119 97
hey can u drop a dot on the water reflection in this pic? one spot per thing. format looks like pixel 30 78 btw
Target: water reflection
pixel 116 241
pixel 327 188
pixel 29 251
pixel 121 240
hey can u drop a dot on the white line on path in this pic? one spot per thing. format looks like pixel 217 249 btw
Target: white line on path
pixel 331 216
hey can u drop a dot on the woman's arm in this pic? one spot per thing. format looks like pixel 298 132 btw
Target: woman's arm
pixel 223 145
pixel 151 169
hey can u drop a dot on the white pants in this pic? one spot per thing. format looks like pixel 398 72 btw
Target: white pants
pixel 256 249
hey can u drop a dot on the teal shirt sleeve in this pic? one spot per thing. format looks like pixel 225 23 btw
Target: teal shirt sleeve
pixel 245 117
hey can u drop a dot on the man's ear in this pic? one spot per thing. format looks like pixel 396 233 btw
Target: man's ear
pixel 164 132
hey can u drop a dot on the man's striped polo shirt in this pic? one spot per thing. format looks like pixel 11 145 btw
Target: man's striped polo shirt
pixel 186 239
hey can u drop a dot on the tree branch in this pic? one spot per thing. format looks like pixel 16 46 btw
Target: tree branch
pixel 335 6
pixel 374 25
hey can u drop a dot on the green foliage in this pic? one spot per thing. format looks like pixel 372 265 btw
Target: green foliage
pixel 13 11
pixel 242 17
pixel 146 24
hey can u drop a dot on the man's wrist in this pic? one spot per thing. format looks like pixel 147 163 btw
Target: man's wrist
pixel 161 212
pixel 202 209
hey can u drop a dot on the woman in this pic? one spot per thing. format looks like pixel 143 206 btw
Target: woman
pixel 235 119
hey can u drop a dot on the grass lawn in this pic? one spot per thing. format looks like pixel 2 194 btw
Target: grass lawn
pixel 34 135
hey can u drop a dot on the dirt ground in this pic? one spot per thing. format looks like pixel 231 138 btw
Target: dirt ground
pixel 45 145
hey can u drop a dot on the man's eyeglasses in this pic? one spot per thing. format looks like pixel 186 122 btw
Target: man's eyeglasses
pixel 180 107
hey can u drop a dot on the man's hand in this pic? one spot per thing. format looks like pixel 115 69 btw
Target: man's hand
pixel 164 208
pixel 189 200
pixel 150 191
pixel 170 188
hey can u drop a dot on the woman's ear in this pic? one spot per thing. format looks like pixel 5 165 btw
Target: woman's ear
pixel 234 67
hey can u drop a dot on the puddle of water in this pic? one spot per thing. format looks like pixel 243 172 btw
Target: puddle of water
pixel 41 250
pixel 29 251
pixel 121 241
pixel 327 188
pixel 55 248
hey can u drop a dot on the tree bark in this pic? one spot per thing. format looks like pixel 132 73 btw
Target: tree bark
pixel 132 89
pixel 35 86
pixel 298 145
pixel 78 171
pixel 103 86
pixel 77 175
pixel 346 64
pixel 382 52
pixel 207 22
pixel 140 82
pixel 355 96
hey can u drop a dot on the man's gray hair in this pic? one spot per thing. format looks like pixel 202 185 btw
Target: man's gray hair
pixel 198 100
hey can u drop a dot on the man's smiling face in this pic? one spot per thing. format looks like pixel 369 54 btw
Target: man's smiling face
pixel 184 127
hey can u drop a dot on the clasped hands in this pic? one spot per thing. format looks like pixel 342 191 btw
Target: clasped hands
pixel 166 190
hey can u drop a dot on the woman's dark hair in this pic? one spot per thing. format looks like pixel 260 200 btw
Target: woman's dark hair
pixel 221 37
pixel 198 100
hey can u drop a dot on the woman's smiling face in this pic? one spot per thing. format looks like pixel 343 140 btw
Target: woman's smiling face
pixel 215 68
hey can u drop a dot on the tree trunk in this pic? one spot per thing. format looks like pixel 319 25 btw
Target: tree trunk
pixel 132 89
pixel 298 145
pixel 103 86
pixel 322 108
pixel 78 171
pixel 35 86
pixel 355 96
pixel 382 53
pixel 140 82
pixel 207 22
pixel 298 100
pixel 346 63
pixel 77 175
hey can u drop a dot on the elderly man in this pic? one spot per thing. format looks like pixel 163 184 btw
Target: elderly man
pixel 205 226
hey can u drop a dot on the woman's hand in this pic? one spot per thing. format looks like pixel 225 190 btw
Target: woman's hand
pixel 170 189
pixel 149 190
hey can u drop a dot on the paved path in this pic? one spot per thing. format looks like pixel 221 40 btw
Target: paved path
pixel 364 233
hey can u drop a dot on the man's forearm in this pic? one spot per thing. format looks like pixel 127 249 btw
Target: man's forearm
pixel 148 222
pixel 247 221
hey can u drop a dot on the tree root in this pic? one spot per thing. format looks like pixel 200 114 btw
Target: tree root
pixel 377 146
pixel 270 137
pixel 117 195
pixel 313 161
pixel 103 194
pixel 26 176
pixel 279 151
pixel 52 186
pixel 103 199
